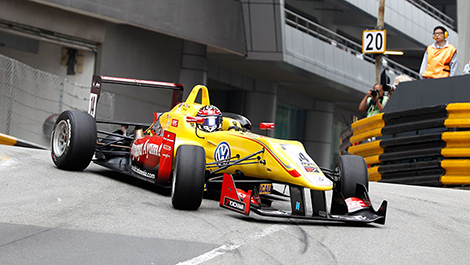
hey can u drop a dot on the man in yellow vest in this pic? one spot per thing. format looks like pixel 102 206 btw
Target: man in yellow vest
pixel 440 58
pixel 466 69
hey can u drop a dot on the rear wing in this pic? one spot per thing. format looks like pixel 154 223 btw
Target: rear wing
pixel 99 80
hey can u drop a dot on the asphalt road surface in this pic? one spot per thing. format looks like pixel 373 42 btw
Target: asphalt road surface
pixel 50 216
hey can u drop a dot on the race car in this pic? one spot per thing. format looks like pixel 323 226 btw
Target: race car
pixel 195 147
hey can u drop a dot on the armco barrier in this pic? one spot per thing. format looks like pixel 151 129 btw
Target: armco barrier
pixel 426 146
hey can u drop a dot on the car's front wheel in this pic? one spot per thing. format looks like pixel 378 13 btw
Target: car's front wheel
pixel 188 177
pixel 352 171
pixel 73 140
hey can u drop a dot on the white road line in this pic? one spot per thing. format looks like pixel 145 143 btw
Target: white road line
pixel 6 160
pixel 232 246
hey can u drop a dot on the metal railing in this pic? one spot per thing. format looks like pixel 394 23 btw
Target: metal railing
pixel 309 27
pixel 434 12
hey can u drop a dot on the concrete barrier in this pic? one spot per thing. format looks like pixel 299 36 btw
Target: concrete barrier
pixel 425 146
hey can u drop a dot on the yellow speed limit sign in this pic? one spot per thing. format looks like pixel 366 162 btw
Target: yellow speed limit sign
pixel 374 41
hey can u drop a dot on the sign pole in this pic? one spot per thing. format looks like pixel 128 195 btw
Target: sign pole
pixel 380 26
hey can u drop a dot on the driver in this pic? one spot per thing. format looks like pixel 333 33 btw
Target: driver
pixel 212 119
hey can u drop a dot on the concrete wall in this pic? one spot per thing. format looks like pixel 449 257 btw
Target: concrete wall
pixel 124 50
pixel 260 104
pixel 136 53
pixel 264 21
pixel 52 19
pixel 193 69
pixel 217 23
pixel 47 58
pixel 428 92
pixel 42 52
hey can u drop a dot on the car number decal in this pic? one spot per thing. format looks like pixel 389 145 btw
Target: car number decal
pixel 307 163
pixel 92 104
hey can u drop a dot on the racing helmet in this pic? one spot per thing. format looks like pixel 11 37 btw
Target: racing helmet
pixel 212 118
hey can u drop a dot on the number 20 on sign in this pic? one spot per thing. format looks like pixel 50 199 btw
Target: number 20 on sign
pixel 374 41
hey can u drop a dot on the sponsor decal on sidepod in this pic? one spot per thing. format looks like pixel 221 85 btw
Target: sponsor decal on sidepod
pixel 144 150
pixel 222 152
pixel 147 151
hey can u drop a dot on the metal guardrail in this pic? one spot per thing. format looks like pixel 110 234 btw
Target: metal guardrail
pixel 309 27
pixel 434 12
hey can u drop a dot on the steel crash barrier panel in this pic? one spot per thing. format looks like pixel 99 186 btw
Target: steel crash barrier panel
pixel 426 146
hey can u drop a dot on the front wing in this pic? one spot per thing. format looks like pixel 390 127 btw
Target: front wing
pixel 356 209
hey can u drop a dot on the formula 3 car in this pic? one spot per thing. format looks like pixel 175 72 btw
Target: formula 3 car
pixel 195 147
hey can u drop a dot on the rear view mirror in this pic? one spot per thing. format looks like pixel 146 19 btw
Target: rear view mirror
pixel 199 120
pixel 266 126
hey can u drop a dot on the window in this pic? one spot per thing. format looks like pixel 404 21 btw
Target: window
pixel 290 122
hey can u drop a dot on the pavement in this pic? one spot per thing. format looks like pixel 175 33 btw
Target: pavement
pixel 51 216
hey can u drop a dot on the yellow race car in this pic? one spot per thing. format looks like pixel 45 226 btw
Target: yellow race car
pixel 195 147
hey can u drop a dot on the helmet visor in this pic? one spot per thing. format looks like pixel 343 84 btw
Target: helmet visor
pixel 211 121
pixel 211 124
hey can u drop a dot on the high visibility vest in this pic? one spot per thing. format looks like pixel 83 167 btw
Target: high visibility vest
pixel 438 61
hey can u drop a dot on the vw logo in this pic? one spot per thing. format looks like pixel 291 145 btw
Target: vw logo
pixel 222 152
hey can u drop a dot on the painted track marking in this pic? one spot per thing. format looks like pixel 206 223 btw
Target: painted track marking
pixel 4 160
pixel 232 246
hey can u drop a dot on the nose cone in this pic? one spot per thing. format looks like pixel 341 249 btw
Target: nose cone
pixel 318 181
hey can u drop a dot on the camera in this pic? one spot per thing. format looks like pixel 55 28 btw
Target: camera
pixel 374 93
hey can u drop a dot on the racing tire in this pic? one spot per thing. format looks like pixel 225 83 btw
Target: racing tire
pixel 73 140
pixel 188 177
pixel 352 171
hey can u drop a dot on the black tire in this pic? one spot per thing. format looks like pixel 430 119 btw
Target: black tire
pixel 73 140
pixel 188 177
pixel 352 170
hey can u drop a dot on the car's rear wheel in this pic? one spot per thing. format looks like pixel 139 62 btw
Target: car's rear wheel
pixel 352 171
pixel 188 177
pixel 73 140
